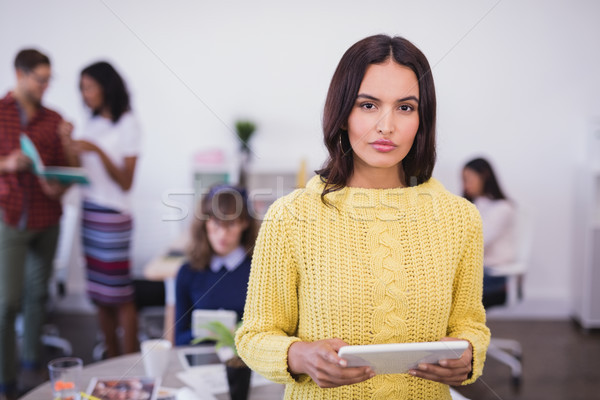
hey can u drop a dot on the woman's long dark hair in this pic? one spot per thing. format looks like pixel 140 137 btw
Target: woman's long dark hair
pixel 420 160
pixel 114 91
pixel 223 202
pixel 491 187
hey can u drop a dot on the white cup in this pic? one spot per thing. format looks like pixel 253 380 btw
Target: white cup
pixel 155 355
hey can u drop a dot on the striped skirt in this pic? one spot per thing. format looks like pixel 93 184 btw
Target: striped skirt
pixel 106 240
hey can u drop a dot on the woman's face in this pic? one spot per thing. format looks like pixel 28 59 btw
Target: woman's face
pixel 225 236
pixel 91 91
pixel 472 183
pixel 384 120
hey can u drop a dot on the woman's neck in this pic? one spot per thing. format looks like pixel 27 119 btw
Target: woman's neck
pixel 377 178
pixel 105 113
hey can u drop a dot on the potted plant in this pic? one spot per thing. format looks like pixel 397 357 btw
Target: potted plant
pixel 238 373
pixel 244 129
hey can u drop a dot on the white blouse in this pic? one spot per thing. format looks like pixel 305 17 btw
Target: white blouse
pixel 499 236
pixel 118 140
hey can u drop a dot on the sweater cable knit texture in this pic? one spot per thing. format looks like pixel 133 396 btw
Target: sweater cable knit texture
pixel 377 266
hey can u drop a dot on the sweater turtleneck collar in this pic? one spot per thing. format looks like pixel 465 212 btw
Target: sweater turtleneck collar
pixel 353 197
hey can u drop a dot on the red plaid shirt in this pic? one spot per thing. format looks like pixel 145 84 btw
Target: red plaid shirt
pixel 20 193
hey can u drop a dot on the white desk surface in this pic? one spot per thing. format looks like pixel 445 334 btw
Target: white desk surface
pixel 131 365
pixel 163 267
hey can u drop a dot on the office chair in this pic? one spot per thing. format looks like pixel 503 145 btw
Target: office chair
pixel 150 304
pixel 50 337
pixel 509 351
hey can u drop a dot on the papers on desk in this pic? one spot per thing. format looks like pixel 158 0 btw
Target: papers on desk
pixel 184 393
pixel 130 388
pixel 212 379
pixel 188 394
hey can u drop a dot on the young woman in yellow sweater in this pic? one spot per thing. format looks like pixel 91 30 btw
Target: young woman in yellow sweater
pixel 374 250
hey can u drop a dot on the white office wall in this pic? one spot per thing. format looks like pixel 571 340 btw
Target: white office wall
pixel 517 81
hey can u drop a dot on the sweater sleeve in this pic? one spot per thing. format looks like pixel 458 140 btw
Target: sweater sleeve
pixel 271 311
pixel 183 307
pixel 467 315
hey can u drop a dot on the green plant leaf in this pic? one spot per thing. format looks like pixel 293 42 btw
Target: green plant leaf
pixel 220 334
pixel 244 130
pixel 204 339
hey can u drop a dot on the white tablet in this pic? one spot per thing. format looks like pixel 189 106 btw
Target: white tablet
pixel 399 358
pixel 202 317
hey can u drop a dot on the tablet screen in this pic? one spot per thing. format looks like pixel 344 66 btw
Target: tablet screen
pixel 195 359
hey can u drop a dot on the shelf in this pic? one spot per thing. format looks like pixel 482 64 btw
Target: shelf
pixel 205 179
pixel 264 187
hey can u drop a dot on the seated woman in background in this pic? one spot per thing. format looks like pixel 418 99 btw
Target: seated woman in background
pixel 498 217
pixel 218 267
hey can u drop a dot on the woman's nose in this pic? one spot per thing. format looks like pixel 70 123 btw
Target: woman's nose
pixel 385 124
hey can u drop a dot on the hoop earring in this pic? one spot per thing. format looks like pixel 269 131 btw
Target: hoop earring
pixel 344 152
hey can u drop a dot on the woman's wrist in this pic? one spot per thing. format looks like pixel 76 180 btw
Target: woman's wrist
pixel 295 364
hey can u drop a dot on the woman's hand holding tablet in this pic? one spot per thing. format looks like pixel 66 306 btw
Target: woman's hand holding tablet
pixel 397 358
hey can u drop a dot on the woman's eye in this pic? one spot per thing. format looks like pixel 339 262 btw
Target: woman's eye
pixel 368 106
pixel 406 107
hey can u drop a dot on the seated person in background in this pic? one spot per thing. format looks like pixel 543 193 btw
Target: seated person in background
pixel 498 217
pixel 218 267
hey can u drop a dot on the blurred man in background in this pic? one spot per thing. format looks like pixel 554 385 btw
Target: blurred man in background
pixel 30 211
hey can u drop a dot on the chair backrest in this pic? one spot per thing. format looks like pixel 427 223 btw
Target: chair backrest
pixel 516 270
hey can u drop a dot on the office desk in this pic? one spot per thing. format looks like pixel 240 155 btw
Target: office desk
pixel 131 365
pixel 167 264
pixel 163 267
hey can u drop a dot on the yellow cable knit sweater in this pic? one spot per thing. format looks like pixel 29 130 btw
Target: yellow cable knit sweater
pixel 380 266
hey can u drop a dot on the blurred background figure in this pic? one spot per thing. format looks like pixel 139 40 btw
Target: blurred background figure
pixel 108 147
pixel 481 186
pixel 30 212
pixel 218 267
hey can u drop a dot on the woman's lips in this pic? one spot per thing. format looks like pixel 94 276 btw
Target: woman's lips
pixel 383 145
